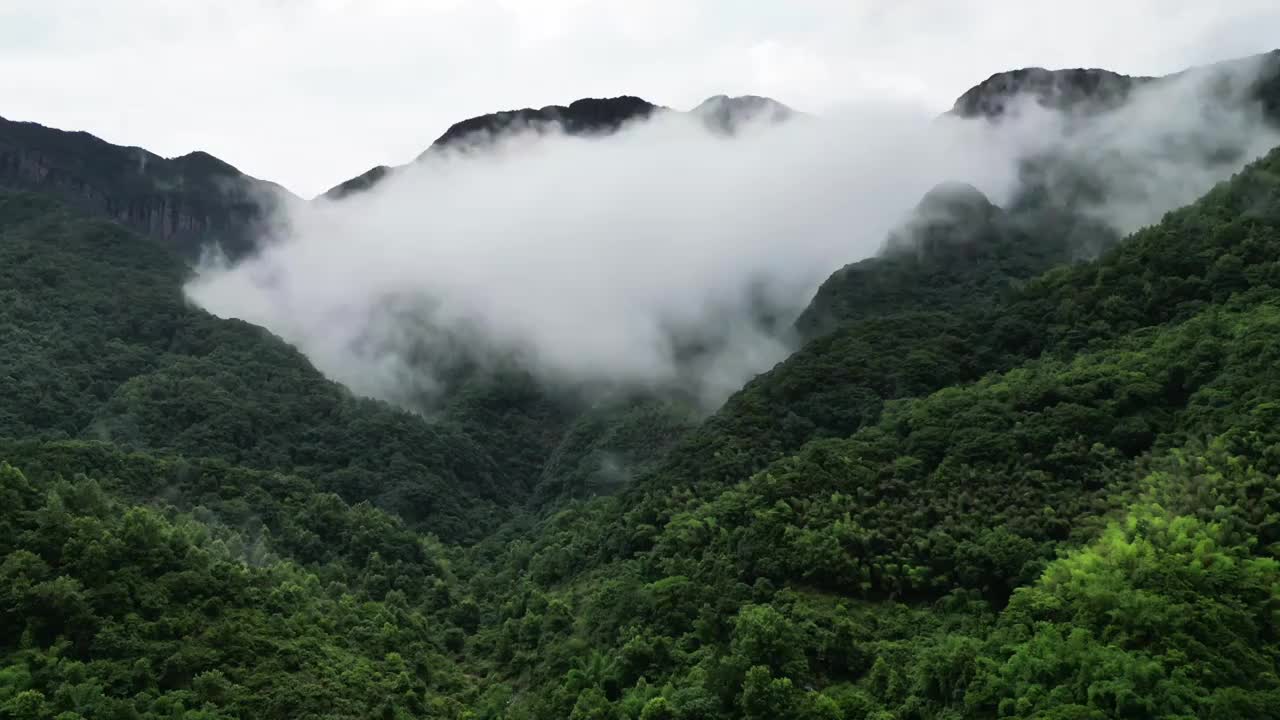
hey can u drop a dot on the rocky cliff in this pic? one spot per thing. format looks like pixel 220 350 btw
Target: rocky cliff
pixel 192 202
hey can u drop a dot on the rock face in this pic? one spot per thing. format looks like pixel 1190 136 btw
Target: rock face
pixel 588 116
pixel 189 202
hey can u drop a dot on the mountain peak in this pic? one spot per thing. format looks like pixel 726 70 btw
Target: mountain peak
pixel 1090 88
pixel 203 162
pixel 953 197
pixel 584 116
pixel 726 114
pixel 951 214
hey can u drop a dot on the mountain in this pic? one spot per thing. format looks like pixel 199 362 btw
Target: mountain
pixel 1020 467
pixel 954 247
pixel 104 346
pixel 588 116
pixel 196 202
pixel 357 184
pixel 189 202
pixel 727 115
pixel 1092 91
pixel 955 230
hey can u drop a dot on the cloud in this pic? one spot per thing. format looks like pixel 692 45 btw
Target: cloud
pixel 606 261
pixel 591 258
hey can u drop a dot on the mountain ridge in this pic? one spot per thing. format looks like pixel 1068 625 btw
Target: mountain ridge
pixel 585 116
pixel 1093 90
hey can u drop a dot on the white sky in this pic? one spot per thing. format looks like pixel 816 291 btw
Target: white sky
pixel 311 92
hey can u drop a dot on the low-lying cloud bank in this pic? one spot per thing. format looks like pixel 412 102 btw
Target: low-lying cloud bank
pixel 605 260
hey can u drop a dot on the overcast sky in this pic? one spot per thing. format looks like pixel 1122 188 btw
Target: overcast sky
pixel 311 92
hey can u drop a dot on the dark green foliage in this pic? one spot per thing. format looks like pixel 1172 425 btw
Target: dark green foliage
pixel 832 386
pixel 108 610
pixel 607 446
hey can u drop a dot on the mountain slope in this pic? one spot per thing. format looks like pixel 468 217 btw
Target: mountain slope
pixel 955 247
pixel 957 330
pixel 188 202
pixel 102 345
pixel 1103 515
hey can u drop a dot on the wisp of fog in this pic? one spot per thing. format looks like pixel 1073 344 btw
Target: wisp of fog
pixel 587 258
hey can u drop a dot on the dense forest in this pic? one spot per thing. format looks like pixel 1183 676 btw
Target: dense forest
pixel 1019 467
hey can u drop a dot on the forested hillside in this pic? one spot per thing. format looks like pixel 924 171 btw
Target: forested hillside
pixel 101 345
pixel 1020 468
